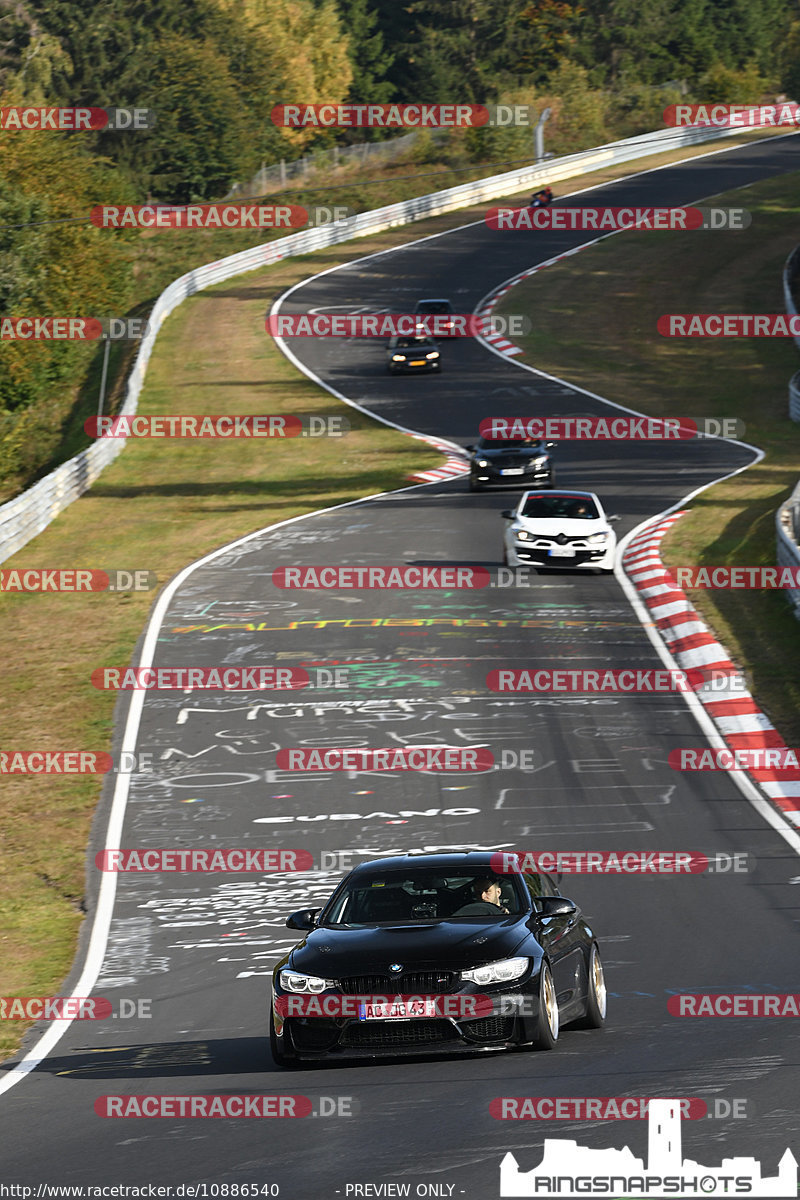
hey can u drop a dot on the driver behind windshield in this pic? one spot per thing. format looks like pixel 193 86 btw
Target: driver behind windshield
pixel 486 902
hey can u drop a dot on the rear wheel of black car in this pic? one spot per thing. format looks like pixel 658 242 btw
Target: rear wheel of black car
pixel 596 998
pixel 280 1058
pixel 547 1021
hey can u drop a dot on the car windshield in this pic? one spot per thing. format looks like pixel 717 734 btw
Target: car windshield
pixel 574 508
pixel 422 895
pixel 412 343
pixel 508 443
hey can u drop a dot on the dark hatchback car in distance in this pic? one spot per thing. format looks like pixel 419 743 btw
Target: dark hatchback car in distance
pixel 412 354
pixel 442 310
pixel 509 462
pixel 416 926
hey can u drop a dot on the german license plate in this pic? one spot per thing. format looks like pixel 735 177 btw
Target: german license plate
pixel 397 1010
pixel 562 552
pixel 513 471
pixel 417 362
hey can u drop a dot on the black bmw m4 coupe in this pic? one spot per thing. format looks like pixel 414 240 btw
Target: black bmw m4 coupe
pixel 434 953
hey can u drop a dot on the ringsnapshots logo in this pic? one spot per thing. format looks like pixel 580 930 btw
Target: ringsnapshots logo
pixel 569 1170
pixel 402 116
pixel 614 220
pixel 74 120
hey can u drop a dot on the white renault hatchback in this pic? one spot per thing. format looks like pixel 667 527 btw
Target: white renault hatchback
pixel 559 529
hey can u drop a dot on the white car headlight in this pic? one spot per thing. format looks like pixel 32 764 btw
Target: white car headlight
pixel 433 354
pixel 523 535
pixel 398 358
pixel 296 981
pixel 539 462
pixel 483 462
pixel 504 971
pixel 597 537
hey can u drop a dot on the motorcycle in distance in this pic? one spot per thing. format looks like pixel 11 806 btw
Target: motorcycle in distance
pixel 541 199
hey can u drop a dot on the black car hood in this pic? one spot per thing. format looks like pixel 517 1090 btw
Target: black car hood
pixel 510 458
pixel 334 953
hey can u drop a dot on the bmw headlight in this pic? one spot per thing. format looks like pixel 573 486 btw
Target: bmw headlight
pixel 295 981
pixel 433 354
pixel 523 535
pixel 596 538
pixel 504 971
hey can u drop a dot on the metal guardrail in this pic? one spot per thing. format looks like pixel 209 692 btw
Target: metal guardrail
pixel 787 518
pixel 28 514
pixel 791 279
pixel 794 396
pixel 787 529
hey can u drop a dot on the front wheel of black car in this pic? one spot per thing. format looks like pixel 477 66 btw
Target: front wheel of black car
pixel 280 1058
pixel 596 998
pixel 547 1021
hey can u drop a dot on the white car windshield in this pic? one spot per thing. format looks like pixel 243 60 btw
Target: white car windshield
pixel 574 508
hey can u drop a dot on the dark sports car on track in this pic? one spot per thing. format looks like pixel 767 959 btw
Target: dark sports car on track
pixel 431 953
pixel 413 354
pixel 508 462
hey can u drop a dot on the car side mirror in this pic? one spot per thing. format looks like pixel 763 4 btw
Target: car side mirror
pixel 557 906
pixel 304 919
pixel 613 517
pixel 507 514
pixel 471 448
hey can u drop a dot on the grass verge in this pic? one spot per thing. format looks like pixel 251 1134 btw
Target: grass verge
pixel 613 349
